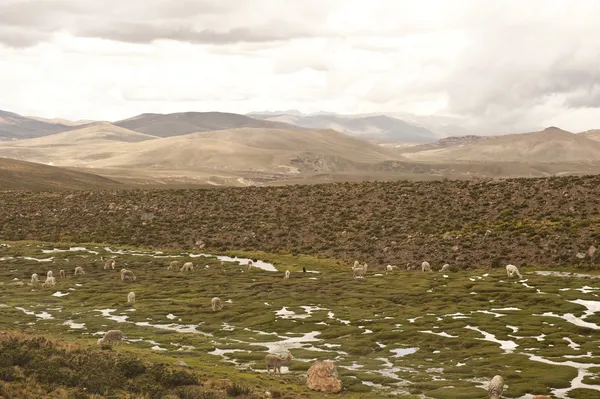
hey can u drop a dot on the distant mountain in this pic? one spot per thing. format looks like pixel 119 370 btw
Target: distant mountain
pixel 370 127
pixel 169 125
pixel 552 145
pixel 16 127
pixel 20 175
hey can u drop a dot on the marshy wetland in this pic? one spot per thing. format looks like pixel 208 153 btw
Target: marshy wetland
pixel 405 334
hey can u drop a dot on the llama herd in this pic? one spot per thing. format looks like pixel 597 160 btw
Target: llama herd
pixel 359 271
pixel 273 362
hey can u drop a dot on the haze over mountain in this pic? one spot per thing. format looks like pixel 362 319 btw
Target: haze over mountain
pixel 367 127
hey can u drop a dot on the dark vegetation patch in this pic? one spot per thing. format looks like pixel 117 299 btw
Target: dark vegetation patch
pixel 545 221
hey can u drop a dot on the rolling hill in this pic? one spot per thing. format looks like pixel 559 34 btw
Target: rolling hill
pixel 369 127
pixel 96 133
pixel 16 127
pixel 251 149
pixel 20 175
pixel 178 124
pixel 551 145
pixel 221 157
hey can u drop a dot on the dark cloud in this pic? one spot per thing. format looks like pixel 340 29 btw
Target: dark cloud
pixel 207 22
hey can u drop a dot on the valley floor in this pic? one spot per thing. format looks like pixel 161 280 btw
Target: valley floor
pixel 405 334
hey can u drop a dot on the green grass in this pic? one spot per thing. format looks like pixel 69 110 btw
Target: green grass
pixel 360 321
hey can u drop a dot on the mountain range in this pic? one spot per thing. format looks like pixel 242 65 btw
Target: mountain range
pixel 217 148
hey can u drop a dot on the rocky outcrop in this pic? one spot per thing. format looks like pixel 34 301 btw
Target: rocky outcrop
pixel 323 376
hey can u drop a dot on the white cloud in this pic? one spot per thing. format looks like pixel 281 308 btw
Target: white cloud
pixel 503 66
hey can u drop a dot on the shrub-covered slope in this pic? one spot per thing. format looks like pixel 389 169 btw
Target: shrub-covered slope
pixel 470 224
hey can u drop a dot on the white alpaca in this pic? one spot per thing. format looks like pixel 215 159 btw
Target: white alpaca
pixel 287 274
pixel 131 298
pixel 49 274
pixel 109 264
pixel 426 267
pixel 359 271
pixel 62 274
pixel 34 278
pixel 79 271
pixel 216 304
pixel 275 362
pixel 512 270
pixel 50 282
pixel 495 387
pixel 188 266
pixel 173 265
pixel 127 275
pixel 445 268
pixel 111 336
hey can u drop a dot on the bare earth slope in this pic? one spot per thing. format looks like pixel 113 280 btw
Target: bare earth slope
pixel 168 125
pixel 593 134
pixel 20 175
pixel 96 133
pixel 551 145
pixel 235 154
pixel 14 127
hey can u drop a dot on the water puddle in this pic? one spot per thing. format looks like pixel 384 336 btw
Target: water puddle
pixel 506 346
pixel 401 352
pixel 41 315
pixel 74 326
pixel 441 334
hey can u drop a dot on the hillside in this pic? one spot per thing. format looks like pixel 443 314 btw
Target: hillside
pixel 178 124
pixel 264 154
pixel 15 127
pixel 551 145
pixel 530 221
pixel 20 175
pixel 97 133
pixel 251 149
pixel 593 134
pixel 369 127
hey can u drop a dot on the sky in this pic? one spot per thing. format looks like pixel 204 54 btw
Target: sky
pixel 499 66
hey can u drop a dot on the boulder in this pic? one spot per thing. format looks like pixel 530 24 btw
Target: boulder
pixel 323 376
pixel 181 363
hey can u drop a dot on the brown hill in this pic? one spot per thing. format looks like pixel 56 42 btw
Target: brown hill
pixel 252 149
pixel 15 127
pixel 20 175
pixel 593 134
pixel 551 145
pixel 97 133
pixel 177 124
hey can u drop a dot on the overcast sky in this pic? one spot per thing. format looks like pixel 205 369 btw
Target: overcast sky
pixel 507 65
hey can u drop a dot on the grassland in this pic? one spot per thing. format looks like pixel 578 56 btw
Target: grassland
pixel 405 334
pixel 469 224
